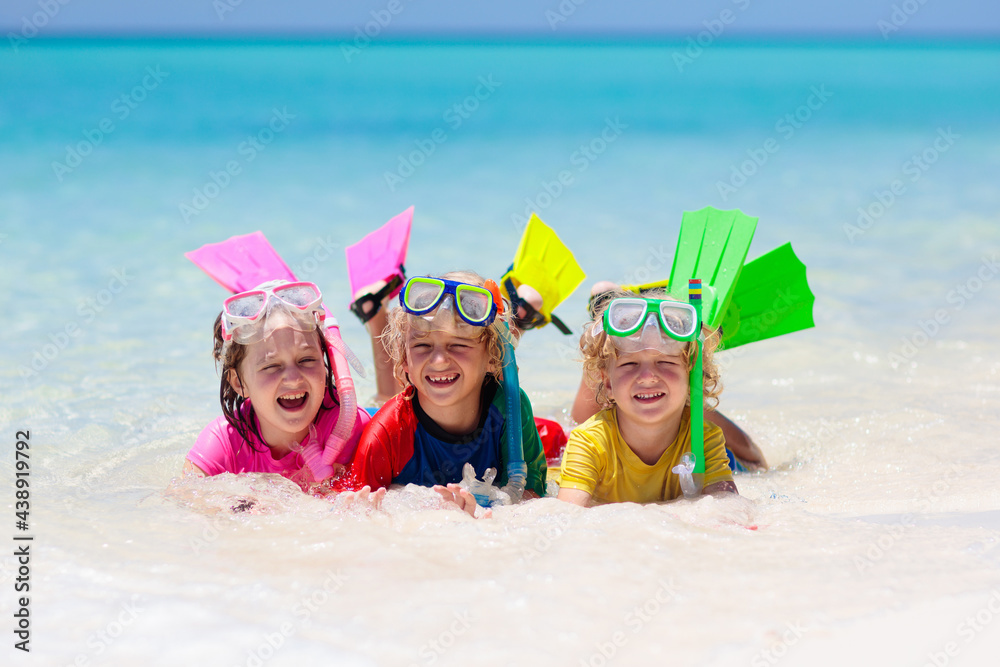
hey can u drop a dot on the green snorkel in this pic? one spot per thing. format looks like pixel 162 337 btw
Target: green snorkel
pixel 697 384
pixel 693 463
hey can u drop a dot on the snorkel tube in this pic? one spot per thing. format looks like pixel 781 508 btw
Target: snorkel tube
pixel 517 469
pixel 693 463
pixel 697 384
pixel 340 355
pixel 320 457
pixel 485 493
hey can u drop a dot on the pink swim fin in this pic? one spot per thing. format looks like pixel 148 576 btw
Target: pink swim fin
pixel 241 262
pixel 381 254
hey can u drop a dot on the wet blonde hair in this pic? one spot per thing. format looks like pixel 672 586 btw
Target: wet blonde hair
pixel 398 328
pixel 599 352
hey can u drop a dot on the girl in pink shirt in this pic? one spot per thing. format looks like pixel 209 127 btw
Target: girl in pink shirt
pixel 287 397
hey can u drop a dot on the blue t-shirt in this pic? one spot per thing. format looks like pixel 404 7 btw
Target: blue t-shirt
pixel 438 457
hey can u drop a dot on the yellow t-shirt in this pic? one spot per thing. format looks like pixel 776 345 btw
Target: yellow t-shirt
pixel 597 460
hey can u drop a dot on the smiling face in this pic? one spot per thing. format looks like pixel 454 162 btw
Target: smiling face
pixel 649 387
pixel 284 377
pixel 447 371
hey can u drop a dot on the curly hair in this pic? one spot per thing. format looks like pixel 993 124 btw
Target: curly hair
pixel 599 352
pixel 398 328
pixel 229 357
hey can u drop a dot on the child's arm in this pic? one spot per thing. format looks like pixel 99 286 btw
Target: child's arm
pixel 212 453
pixel 574 496
pixel 721 487
pixel 192 469
pixel 372 466
pixel 385 443
pixel 534 454
pixel 580 471
pixel 718 477
pixel 364 497
pixel 738 442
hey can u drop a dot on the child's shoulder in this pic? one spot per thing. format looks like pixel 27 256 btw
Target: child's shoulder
pixel 495 394
pixel 218 447
pixel 396 413
pixel 713 433
pixel 219 430
pixel 602 428
pixel 602 420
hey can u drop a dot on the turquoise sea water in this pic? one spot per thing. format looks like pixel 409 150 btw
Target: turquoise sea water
pixel 879 163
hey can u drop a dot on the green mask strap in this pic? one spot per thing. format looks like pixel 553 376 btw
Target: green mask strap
pixel 697 384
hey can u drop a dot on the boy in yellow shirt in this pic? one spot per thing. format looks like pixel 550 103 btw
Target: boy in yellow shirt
pixel 639 352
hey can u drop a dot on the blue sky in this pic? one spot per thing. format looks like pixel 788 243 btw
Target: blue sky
pixel 544 18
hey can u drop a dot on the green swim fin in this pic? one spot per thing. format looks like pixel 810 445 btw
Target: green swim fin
pixel 712 246
pixel 772 298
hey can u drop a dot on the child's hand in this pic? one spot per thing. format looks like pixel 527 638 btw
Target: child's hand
pixel 364 497
pixel 466 502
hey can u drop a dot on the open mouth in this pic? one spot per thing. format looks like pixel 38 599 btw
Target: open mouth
pixel 649 397
pixel 443 380
pixel 293 401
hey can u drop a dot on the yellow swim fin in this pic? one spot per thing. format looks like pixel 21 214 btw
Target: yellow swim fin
pixel 544 262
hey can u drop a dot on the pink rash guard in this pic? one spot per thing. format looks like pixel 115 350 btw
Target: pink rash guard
pixel 220 448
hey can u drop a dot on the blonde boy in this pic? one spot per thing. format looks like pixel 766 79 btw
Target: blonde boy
pixel 627 452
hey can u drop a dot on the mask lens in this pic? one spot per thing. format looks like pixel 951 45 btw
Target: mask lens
pixel 247 335
pixel 278 316
pixel 423 295
pixel 297 295
pixel 676 319
pixel 474 304
pixel 625 315
pixel 249 305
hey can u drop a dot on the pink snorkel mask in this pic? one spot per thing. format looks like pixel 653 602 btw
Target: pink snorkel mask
pixel 249 317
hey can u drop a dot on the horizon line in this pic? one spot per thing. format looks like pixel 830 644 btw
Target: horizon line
pixel 530 37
